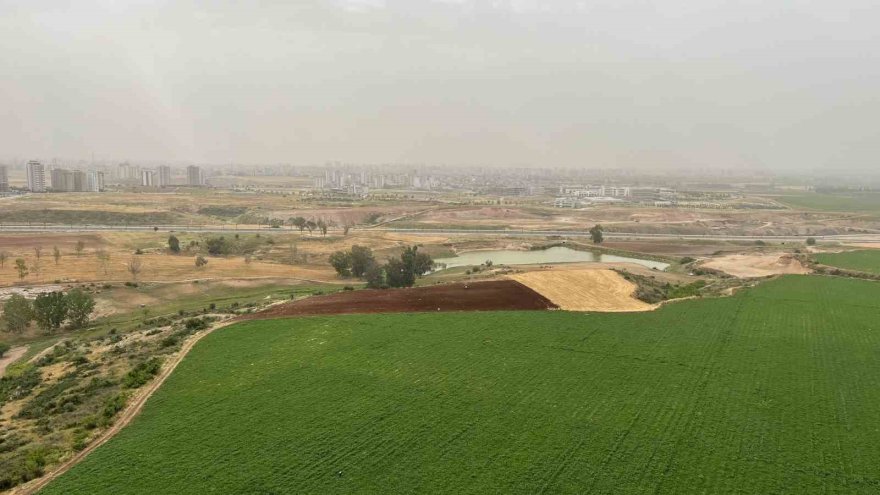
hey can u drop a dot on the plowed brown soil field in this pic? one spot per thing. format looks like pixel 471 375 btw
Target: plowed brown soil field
pixel 476 296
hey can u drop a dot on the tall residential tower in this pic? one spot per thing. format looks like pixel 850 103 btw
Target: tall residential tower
pixel 36 176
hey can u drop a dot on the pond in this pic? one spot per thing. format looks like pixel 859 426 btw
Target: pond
pixel 544 256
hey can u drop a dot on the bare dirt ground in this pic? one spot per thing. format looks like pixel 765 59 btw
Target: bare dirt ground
pixel 28 292
pixel 474 296
pixel 650 220
pixel 15 242
pixel 671 248
pixel 756 265
pixel 584 290
pixel 11 356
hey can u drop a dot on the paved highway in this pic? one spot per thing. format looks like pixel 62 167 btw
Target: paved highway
pixel 519 233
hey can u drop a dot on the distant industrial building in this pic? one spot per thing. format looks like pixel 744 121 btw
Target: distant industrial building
pixel 194 176
pixel 4 179
pixel 164 176
pixel 36 176
pixel 566 203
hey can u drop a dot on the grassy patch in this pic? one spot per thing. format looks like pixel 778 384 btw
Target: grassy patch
pixel 867 260
pixel 772 390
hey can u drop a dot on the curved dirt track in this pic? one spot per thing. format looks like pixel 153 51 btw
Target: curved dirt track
pixel 132 409
pixel 10 357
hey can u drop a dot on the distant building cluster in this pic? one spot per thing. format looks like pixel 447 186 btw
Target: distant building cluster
pixel 4 179
pixel 576 197
pixel 63 180
pixel 195 176
pixel 41 178
pixel 127 174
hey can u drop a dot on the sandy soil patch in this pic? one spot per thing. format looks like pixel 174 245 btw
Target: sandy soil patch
pixel 757 265
pixel 584 290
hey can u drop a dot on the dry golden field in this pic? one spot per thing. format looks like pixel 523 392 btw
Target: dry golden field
pixel 280 254
pixel 584 289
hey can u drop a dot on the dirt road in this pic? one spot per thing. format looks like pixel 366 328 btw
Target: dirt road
pixel 11 356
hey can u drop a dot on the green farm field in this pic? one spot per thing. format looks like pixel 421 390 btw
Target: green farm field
pixel 773 390
pixel 867 260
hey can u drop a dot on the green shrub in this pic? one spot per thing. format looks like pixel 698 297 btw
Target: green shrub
pixel 196 324
pixel 113 405
pixel 142 373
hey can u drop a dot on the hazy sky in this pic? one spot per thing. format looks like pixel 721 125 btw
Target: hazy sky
pixel 788 85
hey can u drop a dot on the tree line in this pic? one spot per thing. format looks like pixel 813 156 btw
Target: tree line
pixel 49 310
pixel 402 271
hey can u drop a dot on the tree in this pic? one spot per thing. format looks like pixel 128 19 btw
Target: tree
pixel 79 308
pixel 217 246
pixel 201 261
pixel 50 310
pixel 361 259
pixel 596 234
pixel 134 266
pixel 294 253
pixel 17 313
pixel 38 252
pixel 3 257
pixel 416 262
pixel 22 268
pixel 56 253
pixel 299 222
pixel 423 264
pixel 398 274
pixel 174 244
pixel 375 276
pixel 80 247
pixel 311 225
pixel 104 259
pixel 811 241
pixel 341 262
pixel 322 225
pixel 348 222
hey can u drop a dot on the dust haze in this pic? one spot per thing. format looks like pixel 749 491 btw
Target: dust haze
pixel 781 86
